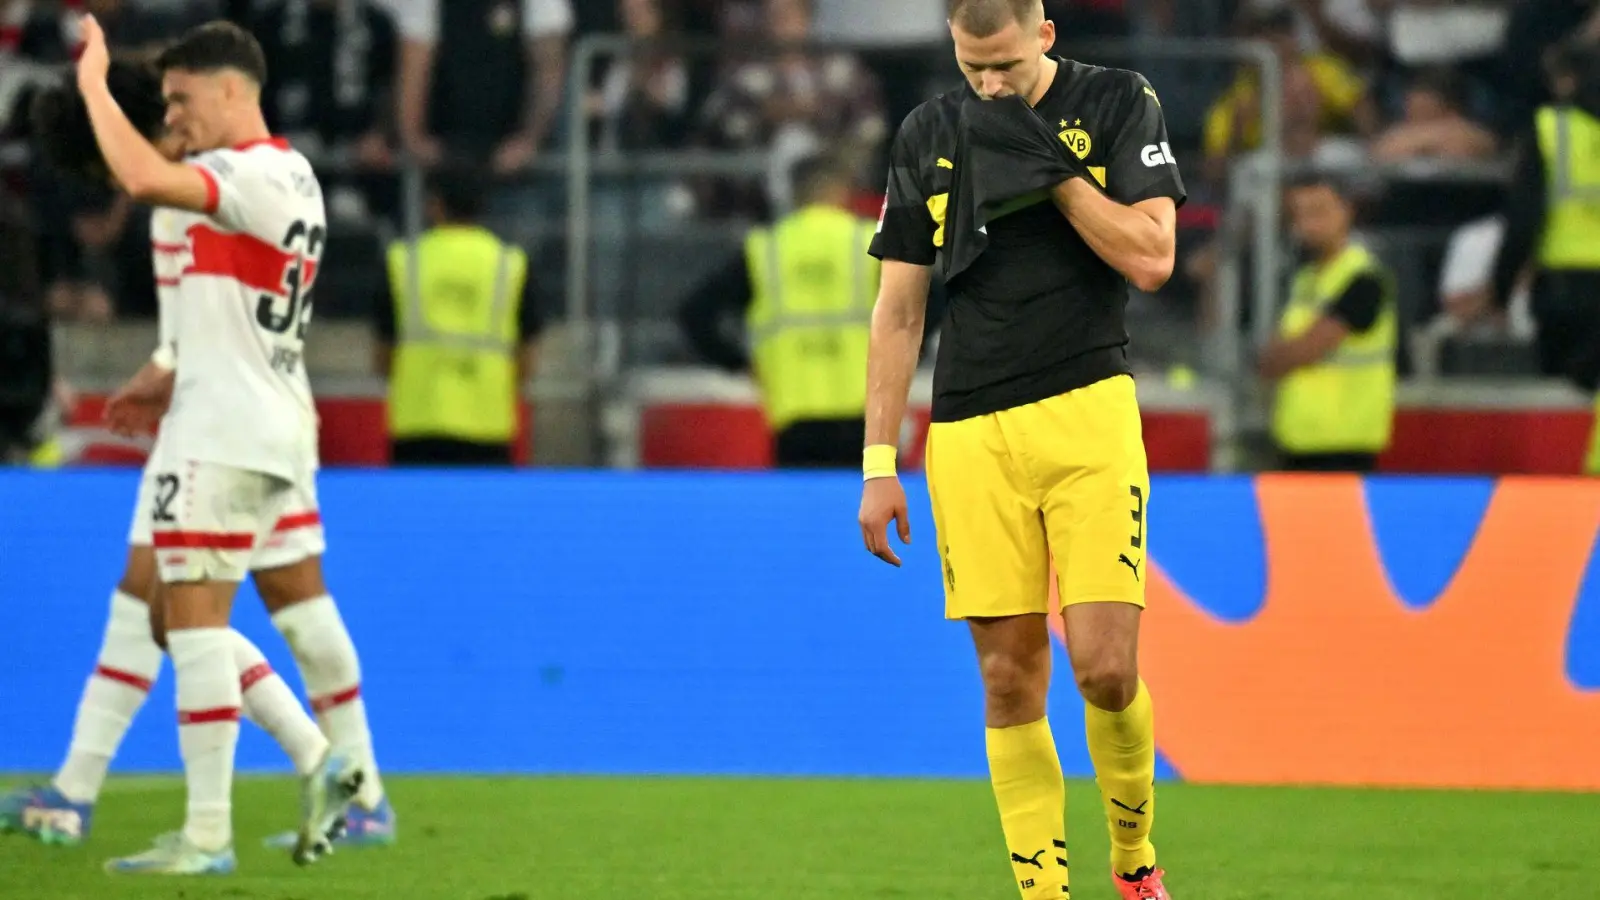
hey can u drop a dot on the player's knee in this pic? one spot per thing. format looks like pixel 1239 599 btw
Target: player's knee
pixel 1014 690
pixel 290 585
pixel 1106 682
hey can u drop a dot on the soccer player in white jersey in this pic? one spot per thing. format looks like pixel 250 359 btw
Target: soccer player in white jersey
pixel 237 442
pixel 286 569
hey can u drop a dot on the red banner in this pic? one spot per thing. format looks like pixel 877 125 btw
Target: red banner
pixel 734 435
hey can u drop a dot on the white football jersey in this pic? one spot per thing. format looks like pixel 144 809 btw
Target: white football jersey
pixel 168 250
pixel 237 309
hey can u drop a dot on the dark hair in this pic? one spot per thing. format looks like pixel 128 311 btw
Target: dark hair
pixel 1276 21
pixel 462 191
pixel 1320 178
pixel 813 175
pixel 60 123
pixel 983 18
pixel 1445 83
pixel 215 46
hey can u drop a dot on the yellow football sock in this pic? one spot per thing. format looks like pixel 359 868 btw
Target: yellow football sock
pixel 1123 748
pixel 1032 796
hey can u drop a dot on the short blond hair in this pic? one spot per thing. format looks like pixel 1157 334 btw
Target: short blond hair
pixel 982 18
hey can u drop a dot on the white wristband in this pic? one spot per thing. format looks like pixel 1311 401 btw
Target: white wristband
pixel 164 358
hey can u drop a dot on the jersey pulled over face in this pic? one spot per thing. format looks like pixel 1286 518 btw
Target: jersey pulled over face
pixel 1038 313
pixel 235 285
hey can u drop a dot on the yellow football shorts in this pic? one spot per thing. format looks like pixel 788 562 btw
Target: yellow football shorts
pixel 1063 478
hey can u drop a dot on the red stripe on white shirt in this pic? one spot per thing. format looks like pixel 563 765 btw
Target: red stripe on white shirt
pixel 213 191
pixel 244 258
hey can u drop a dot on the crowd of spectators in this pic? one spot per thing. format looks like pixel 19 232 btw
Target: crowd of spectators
pixel 363 84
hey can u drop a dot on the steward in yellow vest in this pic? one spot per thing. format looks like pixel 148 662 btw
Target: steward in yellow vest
pixel 456 335
pixel 1334 355
pixel 805 287
pixel 1553 228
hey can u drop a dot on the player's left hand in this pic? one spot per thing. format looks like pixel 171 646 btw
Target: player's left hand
pixel 138 406
pixel 95 59
pixel 517 151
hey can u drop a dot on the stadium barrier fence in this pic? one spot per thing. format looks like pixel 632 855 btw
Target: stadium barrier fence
pixel 1301 629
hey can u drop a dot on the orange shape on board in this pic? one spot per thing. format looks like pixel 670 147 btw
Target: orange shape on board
pixel 1336 681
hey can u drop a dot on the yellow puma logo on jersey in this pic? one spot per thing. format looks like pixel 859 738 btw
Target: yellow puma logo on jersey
pixel 945 163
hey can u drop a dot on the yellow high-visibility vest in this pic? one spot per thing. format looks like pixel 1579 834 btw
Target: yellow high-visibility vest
pixel 1569 141
pixel 48 455
pixel 1345 403
pixel 457 291
pixel 810 319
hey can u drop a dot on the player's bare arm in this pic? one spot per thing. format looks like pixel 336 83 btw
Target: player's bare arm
pixel 897 327
pixel 137 165
pixel 1312 346
pixel 1139 241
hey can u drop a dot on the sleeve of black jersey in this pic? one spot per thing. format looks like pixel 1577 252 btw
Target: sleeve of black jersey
pixel 1141 166
pixel 1358 307
pixel 905 227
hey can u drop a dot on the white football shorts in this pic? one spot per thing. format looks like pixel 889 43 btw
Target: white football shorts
pixel 212 522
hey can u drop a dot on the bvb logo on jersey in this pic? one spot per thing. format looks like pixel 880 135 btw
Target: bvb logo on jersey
pixel 1076 139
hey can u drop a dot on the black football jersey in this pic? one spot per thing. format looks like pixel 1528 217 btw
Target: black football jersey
pixel 1037 313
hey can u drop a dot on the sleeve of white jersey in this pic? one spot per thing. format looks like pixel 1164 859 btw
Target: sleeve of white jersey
pixel 241 194
pixel 161 244
pixel 166 328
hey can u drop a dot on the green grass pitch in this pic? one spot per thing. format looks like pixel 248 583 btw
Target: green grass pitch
pixel 750 839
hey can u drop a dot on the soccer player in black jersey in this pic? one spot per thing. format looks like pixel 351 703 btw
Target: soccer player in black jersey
pixel 1035 453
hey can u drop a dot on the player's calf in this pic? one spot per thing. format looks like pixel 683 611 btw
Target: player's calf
pixel 270 704
pixel 326 655
pixel 125 669
pixel 209 705
pixel 1119 722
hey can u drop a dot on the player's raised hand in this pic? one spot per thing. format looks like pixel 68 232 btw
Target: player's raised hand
pixel 883 500
pixel 95 58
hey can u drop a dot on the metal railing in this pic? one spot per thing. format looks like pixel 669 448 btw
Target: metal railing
pixel 597 330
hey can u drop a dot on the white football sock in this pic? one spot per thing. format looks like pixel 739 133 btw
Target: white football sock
pixel 208 729
pixel 270 704
pixel 128 665
pixel 328 665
